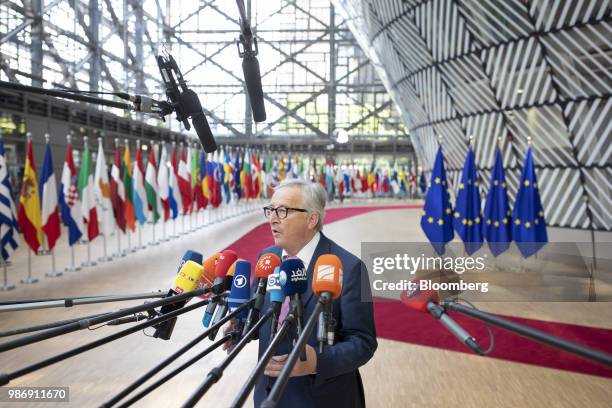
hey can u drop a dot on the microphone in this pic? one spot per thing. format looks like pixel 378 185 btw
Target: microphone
pixel 273 287
pixel 426 301
pixel 208 274
pixel 240 291
pixel 294 281
pixel 252 77
pixel 250 65
pixel 164 329
pixel 327 286
pixel 263 268
pixel 225 260
pixel 185 101
pixel 222 306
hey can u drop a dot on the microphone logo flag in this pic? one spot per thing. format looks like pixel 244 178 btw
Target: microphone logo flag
pixel 326 273
pixel 282 278
pixel 240 281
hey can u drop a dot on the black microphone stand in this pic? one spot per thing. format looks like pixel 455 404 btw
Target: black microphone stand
pixel 5 378
pixel 149 374
pixel 69 302
pixel 244 392
pixel 215 374
pixel 534 334
pixel 283 378
pixel 86 323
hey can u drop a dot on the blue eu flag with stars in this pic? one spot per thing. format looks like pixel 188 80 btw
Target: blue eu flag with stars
pixel 436 219
pixel 496 227
pixel 467 218
pixel 528 224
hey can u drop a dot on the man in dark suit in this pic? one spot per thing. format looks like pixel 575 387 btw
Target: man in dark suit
pixel 331 378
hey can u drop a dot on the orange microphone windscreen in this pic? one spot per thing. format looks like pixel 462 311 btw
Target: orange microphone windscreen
pixel 327 276
pixel 266 264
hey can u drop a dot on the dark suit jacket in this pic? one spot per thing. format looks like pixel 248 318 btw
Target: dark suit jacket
pixel 337 383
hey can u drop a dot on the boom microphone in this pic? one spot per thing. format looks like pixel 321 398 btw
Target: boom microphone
pixel 250 65
pixel 327 286
pixel 164 329
pixel 252 77
pixel 427 301
pixel 264 267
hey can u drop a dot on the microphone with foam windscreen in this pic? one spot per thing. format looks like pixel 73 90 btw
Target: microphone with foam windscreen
pixel 225 260
pixel 263 268
pixel 273 287
pixel 248 50
pixel 428 301
pixel 164 329
pixel 327 286
pixel 240 292
pixel 294 281
pixel 208 274
pixel 222 305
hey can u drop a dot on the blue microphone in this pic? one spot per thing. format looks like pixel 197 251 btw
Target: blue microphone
pixel 240 293
pixel 164 330
pixel 273 287
pixel 190 255
pixel 294 282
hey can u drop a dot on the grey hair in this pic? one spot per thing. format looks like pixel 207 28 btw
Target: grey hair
pixel 313 196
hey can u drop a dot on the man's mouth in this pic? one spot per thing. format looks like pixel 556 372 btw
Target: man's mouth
pixel 275 232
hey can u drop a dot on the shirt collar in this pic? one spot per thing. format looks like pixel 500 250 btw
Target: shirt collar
pixel 305 254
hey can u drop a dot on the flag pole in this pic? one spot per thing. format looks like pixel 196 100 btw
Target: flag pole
pixel 6 286
pixel 29 279
pixel 72 267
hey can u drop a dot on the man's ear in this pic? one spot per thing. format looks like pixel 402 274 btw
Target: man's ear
pixel 313 220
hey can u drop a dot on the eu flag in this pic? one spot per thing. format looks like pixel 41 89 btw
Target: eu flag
pixel 467 217
pixel 423 183
pixel 528 224
pixel 497 213
pixel 436 219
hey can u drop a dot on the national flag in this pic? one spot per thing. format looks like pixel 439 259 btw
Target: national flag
pixel 528 223
pixel 88 202
pixel 163 182
pixel 237 177
pixel 436 220
pixel 497 227
pixel 48 200
pixel 70 204
pixel 174 195
pixel 9 227
pixel 29 204
pixel 467 218
pixel 202 185
pixel 184 182
pixel 102 194
pixel 423 183
pixel 117 190
pixel 153 201
pixel 130 216
pixel 139 194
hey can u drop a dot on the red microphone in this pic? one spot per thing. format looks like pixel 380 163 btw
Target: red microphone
pixel 417 299
pixel 220 284
pixel 428 301
pixel 265 266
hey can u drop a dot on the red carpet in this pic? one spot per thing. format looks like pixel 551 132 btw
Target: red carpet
pixel 396 322
pixel 423 329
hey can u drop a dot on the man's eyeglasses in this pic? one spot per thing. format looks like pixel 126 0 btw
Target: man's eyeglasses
pixel 281 212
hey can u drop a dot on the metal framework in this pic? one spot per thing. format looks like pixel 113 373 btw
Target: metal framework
pixel 315 77
pixel 512 70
